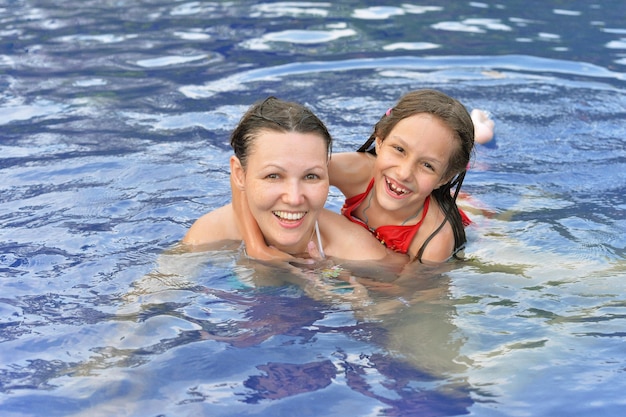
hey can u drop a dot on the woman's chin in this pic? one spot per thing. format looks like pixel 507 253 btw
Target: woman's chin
pixel 291 246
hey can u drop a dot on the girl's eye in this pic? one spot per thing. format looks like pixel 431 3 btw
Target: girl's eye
pixel 429 166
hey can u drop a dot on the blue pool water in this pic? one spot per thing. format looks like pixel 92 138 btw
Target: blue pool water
pixel 114 123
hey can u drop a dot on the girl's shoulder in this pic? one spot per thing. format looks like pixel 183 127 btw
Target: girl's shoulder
pixel 351 171
pixel 441 246
pixel 352 161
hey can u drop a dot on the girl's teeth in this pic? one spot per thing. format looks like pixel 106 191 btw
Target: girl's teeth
pixel 396 189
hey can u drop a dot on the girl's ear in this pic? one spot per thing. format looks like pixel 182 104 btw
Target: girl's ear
pixel 445 180
pixel 378 143
pixel 237 173
pixel 442 182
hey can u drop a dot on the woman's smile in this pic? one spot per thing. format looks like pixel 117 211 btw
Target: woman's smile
pixel 289 219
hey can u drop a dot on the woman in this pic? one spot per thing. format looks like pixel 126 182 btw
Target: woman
pixel 280 172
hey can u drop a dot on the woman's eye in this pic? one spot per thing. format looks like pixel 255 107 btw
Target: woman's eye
pixel 399 148
pixel 311 177
pixel 272 176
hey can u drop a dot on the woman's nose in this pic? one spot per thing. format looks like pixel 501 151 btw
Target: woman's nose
pixel 293 194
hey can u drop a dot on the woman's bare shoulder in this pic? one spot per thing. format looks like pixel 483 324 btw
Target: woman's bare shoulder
pixel 214 226
pixel 346 240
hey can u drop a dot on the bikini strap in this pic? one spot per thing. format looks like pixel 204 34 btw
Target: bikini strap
pixel 319 240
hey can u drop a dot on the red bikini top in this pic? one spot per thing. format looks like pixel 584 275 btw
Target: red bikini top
pixel 395 237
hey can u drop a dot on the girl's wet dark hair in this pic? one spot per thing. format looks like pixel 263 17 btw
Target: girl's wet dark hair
pixel 454 115
pixel 279 116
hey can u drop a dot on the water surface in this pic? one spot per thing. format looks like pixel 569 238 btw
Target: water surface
pixel 114 123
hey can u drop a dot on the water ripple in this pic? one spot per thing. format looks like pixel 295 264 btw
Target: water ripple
pixel 515 63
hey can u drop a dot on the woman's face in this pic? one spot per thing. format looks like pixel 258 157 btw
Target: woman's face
pixel 286 186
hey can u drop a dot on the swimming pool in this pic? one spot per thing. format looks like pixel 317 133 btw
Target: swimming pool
pixel 114 122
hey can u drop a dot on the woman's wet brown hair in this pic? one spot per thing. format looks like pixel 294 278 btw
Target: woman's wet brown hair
pixel 275 115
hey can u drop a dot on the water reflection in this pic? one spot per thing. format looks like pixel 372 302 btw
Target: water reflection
pixel 379 343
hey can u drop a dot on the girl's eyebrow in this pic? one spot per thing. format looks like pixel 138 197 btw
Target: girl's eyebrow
pixel 404 143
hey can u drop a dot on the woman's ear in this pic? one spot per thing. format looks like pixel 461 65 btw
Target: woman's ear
pixel 237 173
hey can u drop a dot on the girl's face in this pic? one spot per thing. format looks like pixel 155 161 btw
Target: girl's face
pixel 286 186
pixel 411 162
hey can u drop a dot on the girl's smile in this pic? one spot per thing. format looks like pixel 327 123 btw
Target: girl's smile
pixel 396 190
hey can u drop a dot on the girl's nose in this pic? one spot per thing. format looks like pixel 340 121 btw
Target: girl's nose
pixel 405 170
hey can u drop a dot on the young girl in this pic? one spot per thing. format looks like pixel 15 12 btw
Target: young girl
pixel 280 172
pixel 402 184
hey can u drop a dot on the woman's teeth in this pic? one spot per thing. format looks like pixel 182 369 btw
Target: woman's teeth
pixel 287 215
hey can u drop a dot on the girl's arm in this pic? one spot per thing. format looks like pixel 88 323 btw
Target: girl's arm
pixel 249 229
